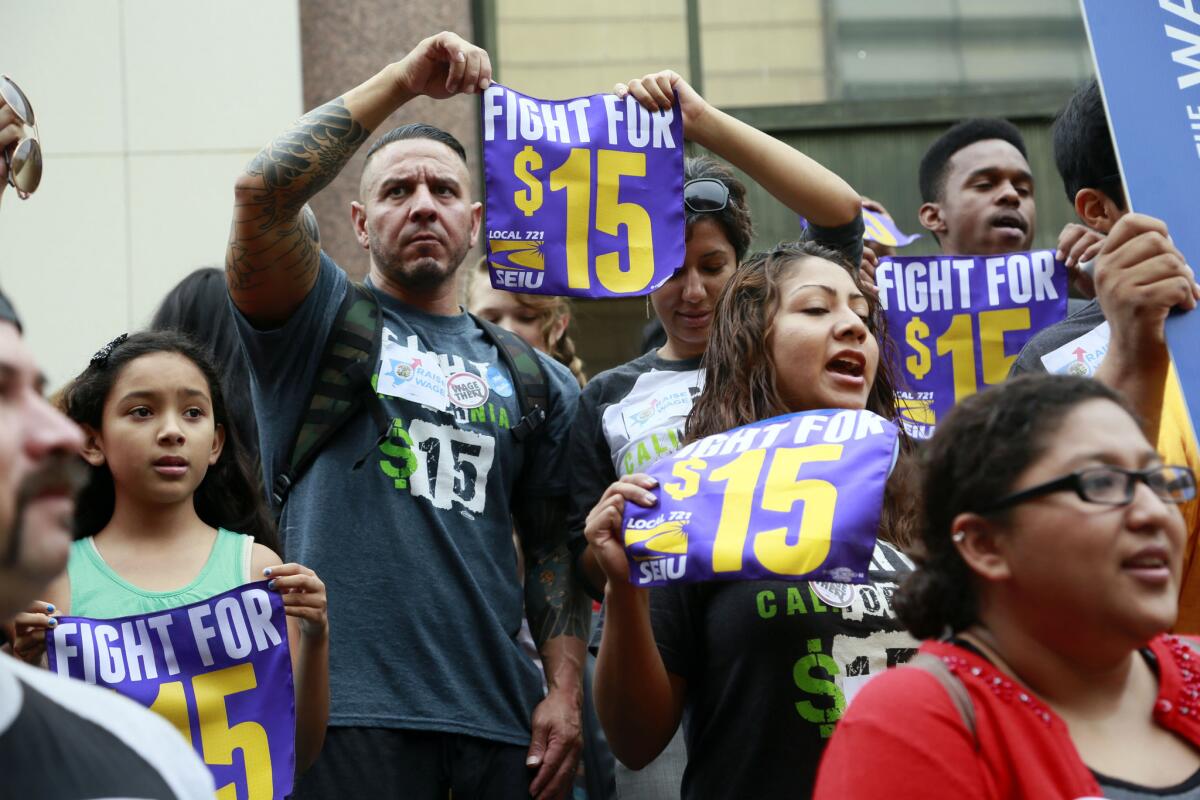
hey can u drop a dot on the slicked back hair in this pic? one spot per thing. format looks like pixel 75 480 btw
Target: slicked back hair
pixel 415 130
pixel 1083 148
pixel 936 161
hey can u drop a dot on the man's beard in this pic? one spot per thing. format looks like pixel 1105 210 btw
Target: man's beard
pixel 421 274
pixel 62 471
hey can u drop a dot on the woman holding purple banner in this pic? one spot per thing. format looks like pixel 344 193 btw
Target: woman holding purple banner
pixel 170 483
pixel 771 662
pixel 1049 570
pixel 633 414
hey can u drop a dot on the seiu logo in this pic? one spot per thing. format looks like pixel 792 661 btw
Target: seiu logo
pixel 662 568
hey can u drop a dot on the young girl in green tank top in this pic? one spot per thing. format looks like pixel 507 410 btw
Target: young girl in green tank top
pixel 170 484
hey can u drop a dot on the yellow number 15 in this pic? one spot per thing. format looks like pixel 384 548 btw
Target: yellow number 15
pixel 217 738
pixel 575 177
pixel 782 491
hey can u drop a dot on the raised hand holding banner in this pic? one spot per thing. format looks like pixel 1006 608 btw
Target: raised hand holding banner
pixel 584 196
pixel 796 497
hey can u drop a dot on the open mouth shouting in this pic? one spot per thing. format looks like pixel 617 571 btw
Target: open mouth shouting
pixel 848 369
pixel 1010 225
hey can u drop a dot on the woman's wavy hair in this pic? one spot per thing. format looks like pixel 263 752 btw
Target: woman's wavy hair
pixel 231 494
pixel 974 458
pixel 740 385
pixel 550 310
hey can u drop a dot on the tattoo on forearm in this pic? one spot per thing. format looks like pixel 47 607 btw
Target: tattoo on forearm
pixel 272 231
pixel 309 220
pixel 554 601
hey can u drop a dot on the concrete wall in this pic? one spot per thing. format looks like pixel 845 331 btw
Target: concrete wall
pixel 147 112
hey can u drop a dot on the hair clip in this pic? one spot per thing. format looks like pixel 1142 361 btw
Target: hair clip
pixel 101 358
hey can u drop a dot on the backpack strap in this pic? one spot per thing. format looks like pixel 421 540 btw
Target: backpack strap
pixel 532 386
pixel 341 386
pixel 954 687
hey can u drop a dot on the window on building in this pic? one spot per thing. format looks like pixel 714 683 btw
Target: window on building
pixel 755 53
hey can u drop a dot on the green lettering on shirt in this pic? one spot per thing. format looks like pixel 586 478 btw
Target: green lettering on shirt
pixel 764 610
pixel 795 602
pixel 814 675
pixel 816 604
pixel 400 463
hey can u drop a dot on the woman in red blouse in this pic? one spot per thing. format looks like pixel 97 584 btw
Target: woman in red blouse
pixel 1052 550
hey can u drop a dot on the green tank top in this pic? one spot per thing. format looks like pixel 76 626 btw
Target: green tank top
pixel 99 592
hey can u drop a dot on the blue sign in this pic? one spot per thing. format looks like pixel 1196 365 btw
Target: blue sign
pixel 1148 61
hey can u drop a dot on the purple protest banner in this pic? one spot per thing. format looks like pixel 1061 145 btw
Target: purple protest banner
pixel 218 670
pixel 796 497
pixel 880 228
pixel 958 323
pixel 584 196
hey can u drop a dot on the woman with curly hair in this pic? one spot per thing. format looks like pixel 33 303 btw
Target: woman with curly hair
pixel 631 415
pixel 1048 575
pixel 768 662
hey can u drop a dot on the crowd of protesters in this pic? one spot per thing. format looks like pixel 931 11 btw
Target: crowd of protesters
pixel 440 566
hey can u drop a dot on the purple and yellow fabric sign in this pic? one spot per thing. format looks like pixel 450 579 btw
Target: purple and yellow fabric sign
pixel 795 497
pixel 880 228
pixel 958 322
pixel 218 670
pixel 584 196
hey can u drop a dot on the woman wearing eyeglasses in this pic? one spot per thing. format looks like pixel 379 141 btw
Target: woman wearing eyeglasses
pixel 1052 550
pixel 632 415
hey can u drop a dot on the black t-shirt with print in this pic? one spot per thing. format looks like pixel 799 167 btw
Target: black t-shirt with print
pixel 770 666
pixel 628 418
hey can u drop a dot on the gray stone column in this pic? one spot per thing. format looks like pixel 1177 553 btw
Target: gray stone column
pixel 342 44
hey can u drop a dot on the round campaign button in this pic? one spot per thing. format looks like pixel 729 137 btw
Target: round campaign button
pixel 467 390
pixel 499 382
pixel 838 595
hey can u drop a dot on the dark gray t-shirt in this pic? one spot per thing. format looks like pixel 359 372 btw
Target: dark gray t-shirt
pixel 1120 790
pixel 415 547
pixel 1085 319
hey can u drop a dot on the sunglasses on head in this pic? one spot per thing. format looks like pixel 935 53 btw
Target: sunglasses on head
pixel 705 194
pixel 24 159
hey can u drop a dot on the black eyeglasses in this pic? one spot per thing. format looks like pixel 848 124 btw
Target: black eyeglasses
pixel 1111 486
pixel 705 194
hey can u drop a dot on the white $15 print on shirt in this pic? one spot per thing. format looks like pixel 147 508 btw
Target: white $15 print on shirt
pixel 452 465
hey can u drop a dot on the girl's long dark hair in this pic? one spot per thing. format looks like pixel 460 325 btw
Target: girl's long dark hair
pixel 230 496
pixel 199 307
pixel 740 385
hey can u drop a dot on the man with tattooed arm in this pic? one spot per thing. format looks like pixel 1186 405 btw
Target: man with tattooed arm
pixel 411 529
